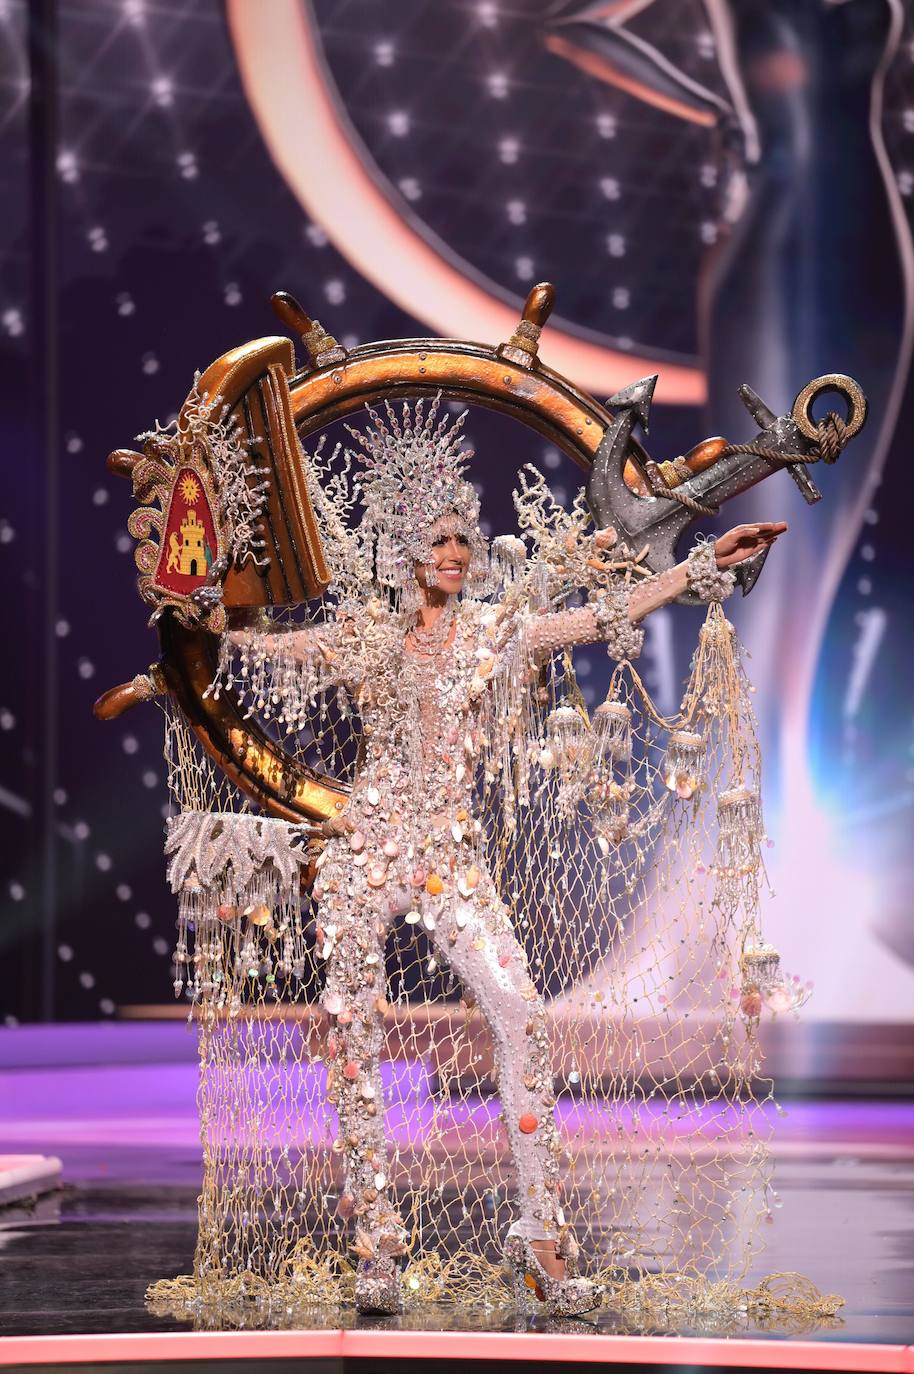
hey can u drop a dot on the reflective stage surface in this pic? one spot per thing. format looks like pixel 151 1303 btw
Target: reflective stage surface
pixel 79 1260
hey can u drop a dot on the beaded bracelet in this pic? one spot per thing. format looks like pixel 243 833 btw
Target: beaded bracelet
pixel 704 577
pixel 623 639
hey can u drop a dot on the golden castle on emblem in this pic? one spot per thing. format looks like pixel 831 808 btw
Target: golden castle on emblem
pixel 187 555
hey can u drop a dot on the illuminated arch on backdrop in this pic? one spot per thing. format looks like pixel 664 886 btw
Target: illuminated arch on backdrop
pixel 323 160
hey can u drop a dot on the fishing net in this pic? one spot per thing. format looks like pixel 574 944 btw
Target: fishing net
pixel 633 872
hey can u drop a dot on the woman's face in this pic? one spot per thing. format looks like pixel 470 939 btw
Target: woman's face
pixel 450 557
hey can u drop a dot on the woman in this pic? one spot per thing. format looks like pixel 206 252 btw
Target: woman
pixel 440 679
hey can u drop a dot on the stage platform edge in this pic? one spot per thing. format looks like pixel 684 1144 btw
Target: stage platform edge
pixel 339 1347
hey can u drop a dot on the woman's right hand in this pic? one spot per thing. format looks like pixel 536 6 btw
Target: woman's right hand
pixel 331 827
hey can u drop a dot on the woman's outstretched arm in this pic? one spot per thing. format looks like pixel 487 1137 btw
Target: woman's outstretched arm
pixel 302 646
pixel 612 615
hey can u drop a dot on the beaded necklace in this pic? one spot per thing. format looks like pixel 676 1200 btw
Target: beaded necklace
pixel 432 642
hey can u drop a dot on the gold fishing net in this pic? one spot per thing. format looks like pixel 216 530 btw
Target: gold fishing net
pixel 636 897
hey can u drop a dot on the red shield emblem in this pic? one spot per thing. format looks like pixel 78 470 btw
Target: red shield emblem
pixel 190 545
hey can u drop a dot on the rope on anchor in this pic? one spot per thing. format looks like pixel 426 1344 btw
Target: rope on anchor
pixel 832 439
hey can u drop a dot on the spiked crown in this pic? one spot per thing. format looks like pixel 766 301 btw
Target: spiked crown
pixel 412 468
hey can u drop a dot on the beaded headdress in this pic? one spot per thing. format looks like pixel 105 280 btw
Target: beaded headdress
pixel 412 477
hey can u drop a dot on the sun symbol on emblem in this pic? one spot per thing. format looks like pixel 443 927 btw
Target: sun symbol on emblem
pixel 190 489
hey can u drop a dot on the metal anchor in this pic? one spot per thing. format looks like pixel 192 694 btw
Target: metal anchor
pixel 659 518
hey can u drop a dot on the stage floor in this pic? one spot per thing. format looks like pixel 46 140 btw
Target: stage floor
pixel 78 1262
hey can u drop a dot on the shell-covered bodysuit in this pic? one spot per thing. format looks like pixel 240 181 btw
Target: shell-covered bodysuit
pixel 415 848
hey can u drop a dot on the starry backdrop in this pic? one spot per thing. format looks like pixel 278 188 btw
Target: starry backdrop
pixel 144 228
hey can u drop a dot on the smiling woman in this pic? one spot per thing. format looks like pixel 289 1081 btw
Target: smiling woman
pixel 450 561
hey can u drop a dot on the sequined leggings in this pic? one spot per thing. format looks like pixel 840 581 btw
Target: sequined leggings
pixel 476 939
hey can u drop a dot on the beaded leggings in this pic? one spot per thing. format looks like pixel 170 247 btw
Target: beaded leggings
pixel 476 939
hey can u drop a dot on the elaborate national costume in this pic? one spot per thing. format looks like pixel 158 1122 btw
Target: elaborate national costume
pixel 431 720
pixel 590 881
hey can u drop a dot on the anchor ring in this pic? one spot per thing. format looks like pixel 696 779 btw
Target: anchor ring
pixel 846 387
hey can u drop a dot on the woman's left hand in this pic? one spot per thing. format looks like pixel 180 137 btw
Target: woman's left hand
pixel 745 540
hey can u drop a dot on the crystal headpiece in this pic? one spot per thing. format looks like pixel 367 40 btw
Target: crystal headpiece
pixel 412 475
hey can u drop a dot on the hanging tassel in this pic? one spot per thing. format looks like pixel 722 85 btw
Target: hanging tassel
pixel 569 739
pixel 763 982
pixel 739 830
pixel 683 763
pixel 612 734
pixel 507 560
pixel 570 745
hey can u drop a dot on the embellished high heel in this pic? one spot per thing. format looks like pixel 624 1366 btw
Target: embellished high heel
pixel 377 1286
pixel 377 1277
pixel 568 1297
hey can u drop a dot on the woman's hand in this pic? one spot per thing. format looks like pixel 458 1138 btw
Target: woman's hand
pixel 744 540
pixel 328 829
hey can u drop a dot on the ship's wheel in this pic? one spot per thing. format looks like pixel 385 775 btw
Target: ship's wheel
pixel 195 581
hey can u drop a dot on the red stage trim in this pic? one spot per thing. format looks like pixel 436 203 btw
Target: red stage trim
pixel 449 1345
